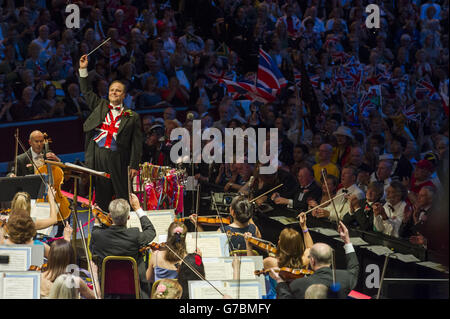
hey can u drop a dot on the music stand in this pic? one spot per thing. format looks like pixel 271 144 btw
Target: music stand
pixel 76 172
pixel 32 184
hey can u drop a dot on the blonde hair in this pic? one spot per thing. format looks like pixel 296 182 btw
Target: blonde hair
pixel 64 287
pixel 167 289
pixel 21 200
pixel 290 249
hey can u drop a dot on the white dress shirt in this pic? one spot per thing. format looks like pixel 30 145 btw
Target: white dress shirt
pixel 391 225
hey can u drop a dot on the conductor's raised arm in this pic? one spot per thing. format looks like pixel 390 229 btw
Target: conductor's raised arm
pixel 92 99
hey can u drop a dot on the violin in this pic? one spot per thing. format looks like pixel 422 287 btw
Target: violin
pixel 5 211
pixel 288 274
pixel 153 246
pixel 103 217
pixel 38 268
pixel 208 220
pixel 56 178
pixel 258 243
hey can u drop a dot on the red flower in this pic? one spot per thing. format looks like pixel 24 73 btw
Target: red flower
pixel 198 260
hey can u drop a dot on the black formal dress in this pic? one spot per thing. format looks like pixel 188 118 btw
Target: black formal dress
pixel 122 241
pixel 346 278
pixel 127 151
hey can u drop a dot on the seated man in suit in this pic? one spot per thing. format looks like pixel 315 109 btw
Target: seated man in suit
pixel 118 240
pixel 35 153
pixel 320 259
pixel 309 190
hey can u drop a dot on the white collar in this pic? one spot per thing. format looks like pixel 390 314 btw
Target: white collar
pixel 33 154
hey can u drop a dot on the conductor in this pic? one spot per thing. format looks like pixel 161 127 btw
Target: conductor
pixel 113 139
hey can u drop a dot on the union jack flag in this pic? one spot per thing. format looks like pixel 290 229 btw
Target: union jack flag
pixel 340 57
pixel 114 58
pixel 297 77
pixel 380 76
pixel 371 100
pixel 269 76
pixel 410 112
pixel 424 88
pixel 107 131
pixel 314 79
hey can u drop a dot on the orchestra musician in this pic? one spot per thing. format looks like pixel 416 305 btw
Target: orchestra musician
pixel 113 139
pixel 242 212
pixel 35 152
pixel 320 260
pixel 162 264
pixel 118 240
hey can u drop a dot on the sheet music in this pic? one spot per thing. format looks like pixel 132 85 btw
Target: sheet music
pixel 379 250
pixel 20 285
pixel 134 221
pixel 210 247
pixel 406 258
pixel 356 241
pixel 161 221
pixel 325 231
pixel 285 220
pixel 19 258
pixel 41 211
pixel 85 169
pixel 218 270
pixel 433 265
pixel 248 289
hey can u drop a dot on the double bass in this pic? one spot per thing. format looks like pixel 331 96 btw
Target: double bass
pixel 55 178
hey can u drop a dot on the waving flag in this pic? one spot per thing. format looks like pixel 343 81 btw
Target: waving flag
pixel 426 89
pixel 269 76
pixel 410 113
pixel 371 100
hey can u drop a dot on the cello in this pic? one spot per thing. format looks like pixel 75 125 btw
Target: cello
pixel 55 178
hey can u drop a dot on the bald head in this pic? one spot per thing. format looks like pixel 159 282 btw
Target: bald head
pixel 36 141
pixel 320 255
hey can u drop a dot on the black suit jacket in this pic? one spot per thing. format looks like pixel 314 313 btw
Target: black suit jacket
pixel 24 166
pixel 129 136
pixel 361 218
pixel 122 241
pixel 347 278
pixel 313 191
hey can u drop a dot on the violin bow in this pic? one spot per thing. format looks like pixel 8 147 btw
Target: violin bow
pixel 324 176
pixel 83 239
pixel 271 190
pixel 196 218
pixel 17 151
pixel 333 264
pixel 194 270
pixel 42 178
pixel 386 260
pixel 230 244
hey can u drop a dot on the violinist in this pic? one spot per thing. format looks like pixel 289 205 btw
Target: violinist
pixel 265 182
pixel 162 264
pixel 291 253
pixel 22 200
pixel 242 212
pixel 308 190
pixel 118 240
pixel 320 261
pixel 60 258
pixel 36 153
pixel 293 248
pixel 20 230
